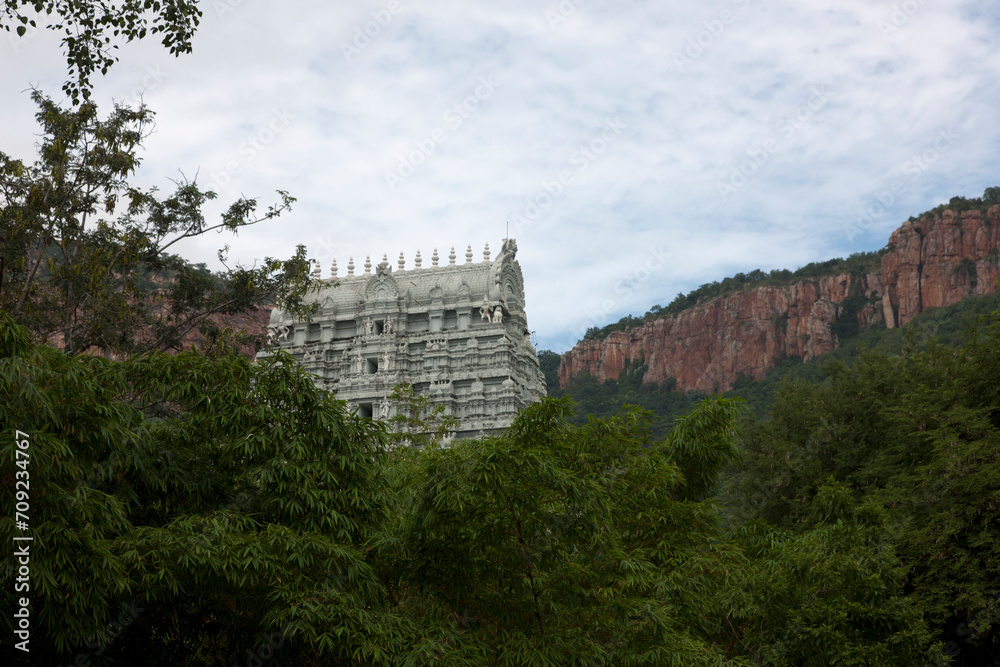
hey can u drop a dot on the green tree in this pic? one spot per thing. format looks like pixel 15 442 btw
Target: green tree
pixel 418 422
pixel 549 544
pixel 549 362
pixel 231 503
pixel 919 434
pixel 831 595
pixel 93 28
pixel 84 256
pixel 225 500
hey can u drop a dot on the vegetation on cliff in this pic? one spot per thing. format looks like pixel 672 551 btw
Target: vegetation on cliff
pixel 990 197
pixel 666 402
pixel 857 265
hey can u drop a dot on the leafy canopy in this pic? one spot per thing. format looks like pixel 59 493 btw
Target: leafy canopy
pixel 92 30
pixel 84 255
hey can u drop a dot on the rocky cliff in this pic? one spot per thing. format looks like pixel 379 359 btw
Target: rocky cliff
pixel 931 262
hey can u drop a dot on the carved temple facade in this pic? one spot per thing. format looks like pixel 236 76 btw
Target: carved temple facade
pixel 456 332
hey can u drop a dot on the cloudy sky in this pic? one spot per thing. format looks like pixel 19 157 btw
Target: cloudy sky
pixel 636 148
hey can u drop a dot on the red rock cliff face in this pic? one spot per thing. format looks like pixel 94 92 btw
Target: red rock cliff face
pixel 932 262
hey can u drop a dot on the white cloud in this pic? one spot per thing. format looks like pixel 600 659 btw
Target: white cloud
pixel 746 75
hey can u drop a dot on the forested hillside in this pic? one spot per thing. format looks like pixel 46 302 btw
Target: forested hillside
pixel 904 420
pixel 196 510
pixel 747 324
pixel 667 402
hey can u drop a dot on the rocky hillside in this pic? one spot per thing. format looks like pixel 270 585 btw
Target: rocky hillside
pixel 933 261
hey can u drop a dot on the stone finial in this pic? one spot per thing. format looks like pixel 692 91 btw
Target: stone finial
pixel 350 266
pixel 401 262
pixel 434 258
pixel 417 261
pixel 368 264
pixel 385 258
pixel 486 253
pixel 451 257
pixel 317 271
pixel 333 268
pixel 468 254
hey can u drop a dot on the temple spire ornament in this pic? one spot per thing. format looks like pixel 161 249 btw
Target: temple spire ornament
pixel 451 257
pixel 486 253
pixel 402 262
pixel 350 266
pixel 333 268
pixel 417 261
pixel 368 264
pixel 468 254
pixel 434 258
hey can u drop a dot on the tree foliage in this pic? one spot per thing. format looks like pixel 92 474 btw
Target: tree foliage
pixel 232 505
pixel 84 255
pixel 220 496
pixel 93 28
pixel 418 422
pixel 918 433
pixel 858 264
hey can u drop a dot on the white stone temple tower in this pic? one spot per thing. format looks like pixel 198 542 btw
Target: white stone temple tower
pixel 457 332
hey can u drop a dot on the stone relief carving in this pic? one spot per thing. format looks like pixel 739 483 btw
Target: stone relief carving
pixel 280 332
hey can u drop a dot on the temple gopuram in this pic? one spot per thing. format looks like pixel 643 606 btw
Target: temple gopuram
pixel 457 333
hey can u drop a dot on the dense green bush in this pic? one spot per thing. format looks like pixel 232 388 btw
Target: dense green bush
pixel 237 513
